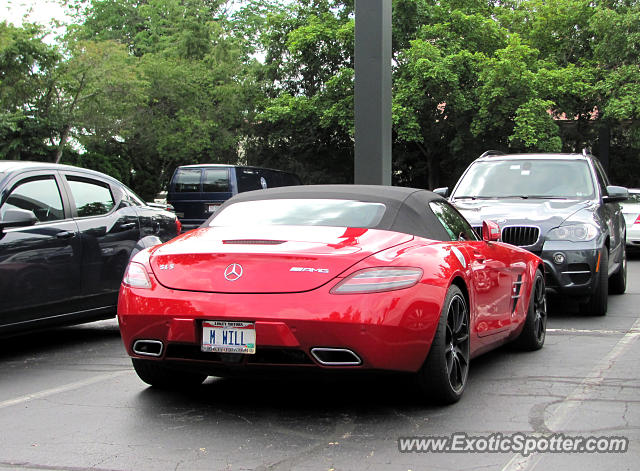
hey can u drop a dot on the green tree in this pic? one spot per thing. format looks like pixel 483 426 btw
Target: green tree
pixel 26 68
pixel 198 84
pixel 305 121
pixel 141 86
pixel 437 89
pixel 97 93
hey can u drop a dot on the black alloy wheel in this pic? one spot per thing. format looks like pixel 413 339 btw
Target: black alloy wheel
pixel 443 376
pixel 457 342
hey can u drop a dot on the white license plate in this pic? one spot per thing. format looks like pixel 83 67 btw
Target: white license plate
pixel 229 337
pixel 212 208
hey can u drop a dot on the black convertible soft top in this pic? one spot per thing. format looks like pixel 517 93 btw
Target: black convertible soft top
pixel 407 209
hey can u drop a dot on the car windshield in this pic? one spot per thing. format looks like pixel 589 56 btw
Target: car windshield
pixel 301 212
pixel 527 179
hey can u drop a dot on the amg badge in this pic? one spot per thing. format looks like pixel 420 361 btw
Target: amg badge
pixel 310 270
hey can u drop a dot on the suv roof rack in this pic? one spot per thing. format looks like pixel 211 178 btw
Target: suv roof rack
pixel 492 152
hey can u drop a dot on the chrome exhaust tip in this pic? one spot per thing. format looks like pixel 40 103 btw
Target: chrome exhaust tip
pixel 335 356
pixel 148 348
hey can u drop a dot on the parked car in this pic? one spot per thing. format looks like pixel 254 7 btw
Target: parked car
pixel 197 191
pixel 631 211
pixel 66 236
pixel 336 277
pixel 560 207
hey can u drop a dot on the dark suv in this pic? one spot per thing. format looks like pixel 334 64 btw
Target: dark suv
pixel 197 191
pixel 66 236
pixel 560 207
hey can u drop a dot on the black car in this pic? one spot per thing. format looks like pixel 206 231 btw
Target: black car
pixel 197 191
pixel 66 236
pixel 560 207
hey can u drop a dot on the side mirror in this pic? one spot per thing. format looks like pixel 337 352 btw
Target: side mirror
pixel 17 218
pixel 616 194
pixel 490 231
pixel 444 191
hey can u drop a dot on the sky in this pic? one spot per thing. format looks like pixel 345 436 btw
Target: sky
pixel 37 11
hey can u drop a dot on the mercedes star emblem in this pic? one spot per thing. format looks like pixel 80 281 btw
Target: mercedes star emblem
pixel 233 272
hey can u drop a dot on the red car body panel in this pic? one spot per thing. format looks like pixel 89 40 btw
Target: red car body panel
pixel 296 311
pixel 267 256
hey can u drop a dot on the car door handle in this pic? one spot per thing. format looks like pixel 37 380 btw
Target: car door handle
pixel 478 256
pixel 127 225
pixel 65 234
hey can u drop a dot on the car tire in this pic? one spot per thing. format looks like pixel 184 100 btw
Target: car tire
pixel 535 325
pixel 618 281
pixel 597 305
pixel 443 375
pixel 160 376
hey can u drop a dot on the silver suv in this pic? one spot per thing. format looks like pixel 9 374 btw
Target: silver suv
pixel 560 207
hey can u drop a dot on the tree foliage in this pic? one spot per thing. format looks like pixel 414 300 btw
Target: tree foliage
pixel 27 68
pixel 137 87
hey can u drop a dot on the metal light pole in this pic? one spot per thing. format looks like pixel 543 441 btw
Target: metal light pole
pixel 372 163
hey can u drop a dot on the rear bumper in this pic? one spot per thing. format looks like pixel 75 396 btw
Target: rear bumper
pixel 387 331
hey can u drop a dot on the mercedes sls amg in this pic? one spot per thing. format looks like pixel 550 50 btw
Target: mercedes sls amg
pixel 335 277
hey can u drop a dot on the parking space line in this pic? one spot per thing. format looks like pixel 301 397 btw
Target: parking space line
pixel 569 405
pixel 64 388
pixel 592 331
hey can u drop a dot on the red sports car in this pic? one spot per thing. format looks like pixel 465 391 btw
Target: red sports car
pixel 335 277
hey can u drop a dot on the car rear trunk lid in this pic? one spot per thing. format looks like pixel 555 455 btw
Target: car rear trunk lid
pixel 273 259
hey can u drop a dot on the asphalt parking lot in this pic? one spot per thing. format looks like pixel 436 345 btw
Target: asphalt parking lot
pixel 69 400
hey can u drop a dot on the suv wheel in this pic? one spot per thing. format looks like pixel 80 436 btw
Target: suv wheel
pixel 618 281
pixel 597 305
pixel 535 325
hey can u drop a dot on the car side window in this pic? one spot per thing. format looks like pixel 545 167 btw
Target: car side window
pixel 216 180
pixel 132 198
pixel 248 180
pixel 456 226
pixel 40 195
pixel 92 198
pixel 187 180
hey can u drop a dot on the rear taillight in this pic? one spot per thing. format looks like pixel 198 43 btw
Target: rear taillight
pixel 178 227
pixel 136 276
pixel 637 220
pixel 375 280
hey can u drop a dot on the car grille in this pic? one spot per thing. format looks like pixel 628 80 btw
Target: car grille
pixel 520 235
